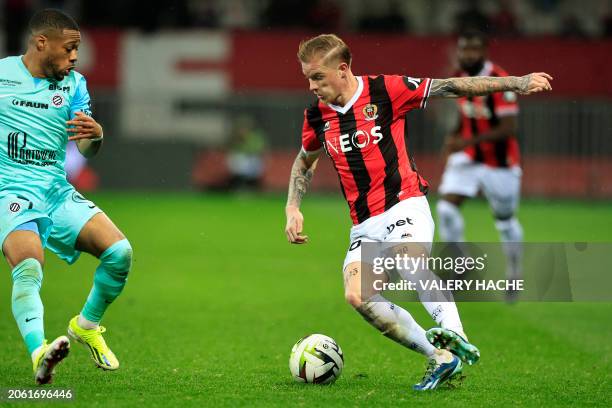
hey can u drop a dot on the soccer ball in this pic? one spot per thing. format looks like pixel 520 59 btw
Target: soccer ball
pixel 316 359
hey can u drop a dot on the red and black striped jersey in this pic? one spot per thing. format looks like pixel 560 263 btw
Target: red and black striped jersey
pixel 481 113
pixel 367 142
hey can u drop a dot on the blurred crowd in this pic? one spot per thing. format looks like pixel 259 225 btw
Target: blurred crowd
pixel 568 18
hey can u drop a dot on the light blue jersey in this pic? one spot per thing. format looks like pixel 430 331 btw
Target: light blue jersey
pixel 33 115
pixel 33 138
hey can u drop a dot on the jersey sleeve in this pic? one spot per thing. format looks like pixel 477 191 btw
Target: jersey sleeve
pixel 310 143
pixel 505 104
pixel 81 102
pixel 407 93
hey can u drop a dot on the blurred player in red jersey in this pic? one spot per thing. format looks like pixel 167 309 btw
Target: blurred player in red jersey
pixel 359 122
pixel 483 156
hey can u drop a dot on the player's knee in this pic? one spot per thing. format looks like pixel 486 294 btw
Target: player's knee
pixel 503 216
pixel 503 213
pixel 19 247
pixel 353 298
pixel 503 207
pixel 28 273
pixel 118 258
pixel 509 225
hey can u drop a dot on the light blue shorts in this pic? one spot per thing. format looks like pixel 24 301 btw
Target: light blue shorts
pixel 28 226
pixel 60 216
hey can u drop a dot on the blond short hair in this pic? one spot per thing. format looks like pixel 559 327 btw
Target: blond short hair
pixel 328 46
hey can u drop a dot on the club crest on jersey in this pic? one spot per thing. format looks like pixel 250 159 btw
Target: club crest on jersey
pixel 14 207
pixel 370 111
pixel 57 100
pixel 326 126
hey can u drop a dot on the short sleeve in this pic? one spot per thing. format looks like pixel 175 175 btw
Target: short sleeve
pixel 310 143
pixel 81 100
pixel 407 93
pixel 505 104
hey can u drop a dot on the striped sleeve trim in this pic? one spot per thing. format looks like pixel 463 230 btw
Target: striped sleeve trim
pixel 426 93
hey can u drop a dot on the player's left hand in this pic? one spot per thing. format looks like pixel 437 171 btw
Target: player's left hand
pixel 535 82
pixel 83 127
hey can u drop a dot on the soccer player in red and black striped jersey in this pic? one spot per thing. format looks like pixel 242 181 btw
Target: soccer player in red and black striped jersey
pixel 358 121
pixel 483 156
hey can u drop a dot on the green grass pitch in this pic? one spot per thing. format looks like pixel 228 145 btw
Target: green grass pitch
pixel 217 298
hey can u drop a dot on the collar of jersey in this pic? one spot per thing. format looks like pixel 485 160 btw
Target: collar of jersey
pixel 351 102
pixel 22 66
pixel 27 72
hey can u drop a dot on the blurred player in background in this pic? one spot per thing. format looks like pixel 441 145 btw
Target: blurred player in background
pixel 245 160
pixel 44 103
pixel 483 156
pixel 359 122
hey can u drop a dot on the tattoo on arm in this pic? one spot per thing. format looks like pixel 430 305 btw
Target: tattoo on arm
pixel 301 176
pixel 349 274
pixel 475 86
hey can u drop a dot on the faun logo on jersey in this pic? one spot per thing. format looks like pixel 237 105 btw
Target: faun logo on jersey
pixel 17 152
pixel 57 99
pixel 370 111
pixel 358 140
pixel 28 104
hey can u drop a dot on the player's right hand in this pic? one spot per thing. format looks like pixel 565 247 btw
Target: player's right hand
pixel 293 229
pixel 83 126
pixel 535 82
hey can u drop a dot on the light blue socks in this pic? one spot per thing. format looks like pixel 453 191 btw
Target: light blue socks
pixel 27 307
pixel 109 280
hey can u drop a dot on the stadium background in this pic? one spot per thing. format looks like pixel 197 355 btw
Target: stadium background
pixel 170 82
pixel 216 293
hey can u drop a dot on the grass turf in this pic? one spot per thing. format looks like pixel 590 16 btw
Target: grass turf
pixel 217 298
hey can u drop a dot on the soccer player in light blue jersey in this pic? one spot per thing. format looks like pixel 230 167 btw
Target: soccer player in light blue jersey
pixel 44 104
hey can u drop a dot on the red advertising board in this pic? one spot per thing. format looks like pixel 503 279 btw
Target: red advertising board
pixel 101 65
pixel 267 61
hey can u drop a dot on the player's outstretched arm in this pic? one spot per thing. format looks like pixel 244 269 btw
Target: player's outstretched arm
pixel 476 86
pixel 301 176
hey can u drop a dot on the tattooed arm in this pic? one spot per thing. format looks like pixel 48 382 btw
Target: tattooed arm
pixel 476 86
pixel 301 175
